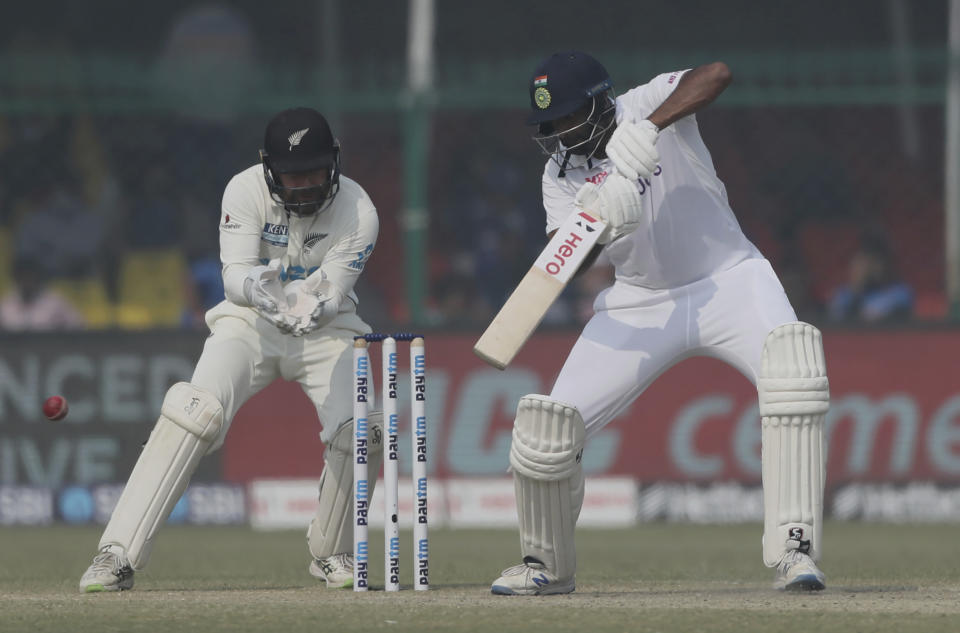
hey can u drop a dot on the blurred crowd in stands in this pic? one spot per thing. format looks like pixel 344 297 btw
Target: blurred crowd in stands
pixel 113 223
pixel 111 220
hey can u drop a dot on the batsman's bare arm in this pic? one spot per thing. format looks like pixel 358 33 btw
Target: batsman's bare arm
pixel 696 89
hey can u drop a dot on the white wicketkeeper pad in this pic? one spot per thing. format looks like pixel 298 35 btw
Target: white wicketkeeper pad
pixel 548 439
pixel 794 397
pixel 190 421
pixel 330 532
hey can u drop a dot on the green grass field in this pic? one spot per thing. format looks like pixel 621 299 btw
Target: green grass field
pixel 653 578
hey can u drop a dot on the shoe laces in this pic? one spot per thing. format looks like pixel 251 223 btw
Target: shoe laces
pixel 790 559
pixel 343 560
pixel 106 561
pixel 523 567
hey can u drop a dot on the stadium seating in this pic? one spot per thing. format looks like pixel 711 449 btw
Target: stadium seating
pixel 89 296
pixel 151 289
pixel 6 257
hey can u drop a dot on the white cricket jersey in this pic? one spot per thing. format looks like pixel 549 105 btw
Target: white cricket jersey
pixel 687 230
pixel 254 229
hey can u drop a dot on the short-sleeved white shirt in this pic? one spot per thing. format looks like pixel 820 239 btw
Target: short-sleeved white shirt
pixel 688 230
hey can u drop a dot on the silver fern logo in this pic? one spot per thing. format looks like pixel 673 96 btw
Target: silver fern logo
pixel 312 240
pixel 296 137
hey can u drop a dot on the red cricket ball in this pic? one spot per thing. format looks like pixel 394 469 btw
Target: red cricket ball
pixel 55 408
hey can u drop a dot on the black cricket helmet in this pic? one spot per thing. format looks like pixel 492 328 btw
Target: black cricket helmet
pixel 299 140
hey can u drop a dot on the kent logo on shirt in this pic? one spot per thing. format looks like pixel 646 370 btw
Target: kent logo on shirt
pixel 275 234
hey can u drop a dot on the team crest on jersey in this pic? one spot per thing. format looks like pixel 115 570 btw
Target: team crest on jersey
pixel 541 96
pixel 275 234
pixel 312 240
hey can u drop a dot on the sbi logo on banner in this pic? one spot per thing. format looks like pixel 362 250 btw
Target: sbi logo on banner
pixel 25 505
pixel 76 505
pixel 201 504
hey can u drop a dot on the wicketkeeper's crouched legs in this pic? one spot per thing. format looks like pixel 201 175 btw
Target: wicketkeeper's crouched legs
pixel 330 534
pixel 548 438
pixel 190 421
pixel 794 397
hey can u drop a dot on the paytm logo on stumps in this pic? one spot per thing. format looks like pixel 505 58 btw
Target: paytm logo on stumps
pixel 419 377
pixel 421 434
pixel 362 371
pixel 362 501
pixel 422 500
pixel 423 562
pixel 393 436
pixel 392 375
pixel 361 563
pixel 394 571
pixel 361 441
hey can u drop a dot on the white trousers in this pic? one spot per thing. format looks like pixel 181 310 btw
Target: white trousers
pixel 240 358
pixel 638 333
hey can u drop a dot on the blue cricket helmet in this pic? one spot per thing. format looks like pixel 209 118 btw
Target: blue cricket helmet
pixel 564 82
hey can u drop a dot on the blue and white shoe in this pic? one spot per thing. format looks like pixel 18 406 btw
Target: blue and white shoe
pixel 530 578
pixel 797 572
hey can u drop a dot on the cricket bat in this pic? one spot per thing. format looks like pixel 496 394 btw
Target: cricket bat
pixel 539 288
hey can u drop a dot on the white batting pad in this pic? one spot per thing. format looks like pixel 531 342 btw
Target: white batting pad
pixel 330 530
pixel 190 421
pixel 794 397
pixel 548 439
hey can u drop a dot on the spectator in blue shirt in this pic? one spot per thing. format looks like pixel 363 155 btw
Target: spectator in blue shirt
pixel 874 291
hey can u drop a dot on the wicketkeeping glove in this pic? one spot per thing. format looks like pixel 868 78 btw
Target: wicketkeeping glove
pixel 262 288
pixel 617 202
pixel 312 308
pixel 632 148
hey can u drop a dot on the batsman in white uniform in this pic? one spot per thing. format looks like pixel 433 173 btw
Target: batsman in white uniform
pixel 688 283
pixel 294 236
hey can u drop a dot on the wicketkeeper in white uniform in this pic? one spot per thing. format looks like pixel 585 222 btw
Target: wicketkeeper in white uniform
pixel 294 236
pixel 688 283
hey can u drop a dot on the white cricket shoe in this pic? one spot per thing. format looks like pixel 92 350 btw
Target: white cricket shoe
pixel 109 571
pixel 337 570
pixel 530 578
pixel 797 572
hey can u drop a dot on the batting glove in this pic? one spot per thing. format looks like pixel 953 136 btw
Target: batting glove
pixel 632 148
pixel 617 202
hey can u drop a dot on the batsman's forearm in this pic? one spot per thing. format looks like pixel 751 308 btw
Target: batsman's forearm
pixel 697 88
